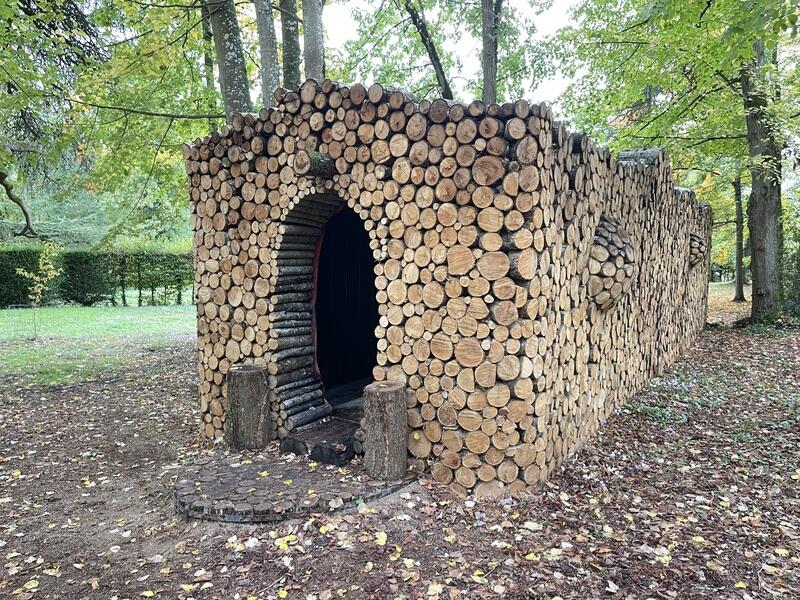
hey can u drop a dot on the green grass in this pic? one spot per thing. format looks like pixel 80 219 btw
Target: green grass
pixel 102 321
pixel 80 344
pixel 46 363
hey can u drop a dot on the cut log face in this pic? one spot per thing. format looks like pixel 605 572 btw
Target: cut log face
pixel 500 242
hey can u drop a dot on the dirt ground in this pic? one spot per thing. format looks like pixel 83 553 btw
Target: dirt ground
pixel 691 491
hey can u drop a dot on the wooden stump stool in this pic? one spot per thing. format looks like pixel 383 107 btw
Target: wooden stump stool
pixel 386 430
pixel 248 408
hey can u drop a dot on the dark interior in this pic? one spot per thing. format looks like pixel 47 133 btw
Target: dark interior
pixel 346 308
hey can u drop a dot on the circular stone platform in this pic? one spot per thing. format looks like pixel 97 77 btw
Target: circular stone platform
pixel 266 486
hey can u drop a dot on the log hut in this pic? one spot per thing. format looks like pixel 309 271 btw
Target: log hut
pixel 519 281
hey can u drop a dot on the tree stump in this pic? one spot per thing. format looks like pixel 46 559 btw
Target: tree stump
pixel 248 408
pixel 386 430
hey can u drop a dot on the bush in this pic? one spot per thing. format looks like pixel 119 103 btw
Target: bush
pixel 88 277
pixel 13 287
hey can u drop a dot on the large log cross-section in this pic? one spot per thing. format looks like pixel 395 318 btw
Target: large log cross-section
pixel 314 164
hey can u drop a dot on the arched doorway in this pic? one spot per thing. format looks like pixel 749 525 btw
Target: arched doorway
pixel 323 315
pixel 345 308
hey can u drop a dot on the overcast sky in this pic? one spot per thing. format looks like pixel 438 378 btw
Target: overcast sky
pixel 340 28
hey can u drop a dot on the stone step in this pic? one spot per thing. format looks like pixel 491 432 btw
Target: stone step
pixel 329 441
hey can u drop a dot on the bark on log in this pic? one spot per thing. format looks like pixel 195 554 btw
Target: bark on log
pixel 386 430
pixel 248 408
pixel 309 162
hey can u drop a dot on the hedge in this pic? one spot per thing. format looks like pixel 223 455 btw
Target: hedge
pixel 157 277
pixel 89 277
pixel 13 288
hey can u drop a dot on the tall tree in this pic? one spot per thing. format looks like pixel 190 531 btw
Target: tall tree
pixel 738 273
pixel 208 59
pixel 435 39
pixel 290 36
pixel 42 48
pixel 313 40
pixel 268 50
pixel 386 30
pixel 230 57
pixel 764 208
pixel 695 75
pixel 91 131
pixel 490 23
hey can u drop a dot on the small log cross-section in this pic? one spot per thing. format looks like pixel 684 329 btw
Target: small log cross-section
pixel 386 429
pixel 248 408
pixel 314 164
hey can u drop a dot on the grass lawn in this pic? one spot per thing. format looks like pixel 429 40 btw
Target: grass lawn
pixel 76 343
pixel 102 321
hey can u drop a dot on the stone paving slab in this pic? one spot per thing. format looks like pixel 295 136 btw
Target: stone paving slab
pixel 266 486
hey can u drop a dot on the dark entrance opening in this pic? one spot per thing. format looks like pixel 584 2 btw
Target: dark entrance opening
pixel 345 307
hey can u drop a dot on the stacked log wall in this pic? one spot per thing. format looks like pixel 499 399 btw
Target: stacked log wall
pixel 528 282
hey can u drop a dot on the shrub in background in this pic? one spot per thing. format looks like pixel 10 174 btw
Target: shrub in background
pixel 133 272
pixel 13 287
pixel 88 277
pixel 156 273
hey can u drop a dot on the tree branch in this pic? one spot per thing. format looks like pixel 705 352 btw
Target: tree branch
pixel 422 28
pixel 703 13
pixel 27 230
pixel 113 230
pixel 149 113
pixel 689 138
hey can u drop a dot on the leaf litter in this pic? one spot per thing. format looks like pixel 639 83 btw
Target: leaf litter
pixel 690 491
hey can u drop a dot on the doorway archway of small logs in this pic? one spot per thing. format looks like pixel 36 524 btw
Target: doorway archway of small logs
pixel 296 395
pixel 482 222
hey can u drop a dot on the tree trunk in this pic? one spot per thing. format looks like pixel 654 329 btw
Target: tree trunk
pixel 248 408
pixel 310 162
pixel 313 40
pixel 139 281
pixel 490 20
pixel 291 44
pixel 738 295
pixel 418 19
pixel 764 209
pixel 123 276
pixel 230 57
pixel 208 61
pixel 268 50
pixel 386 430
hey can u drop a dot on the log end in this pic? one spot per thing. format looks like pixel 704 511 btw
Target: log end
pixel 384 387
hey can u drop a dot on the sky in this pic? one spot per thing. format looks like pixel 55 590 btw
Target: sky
pixel 339 28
